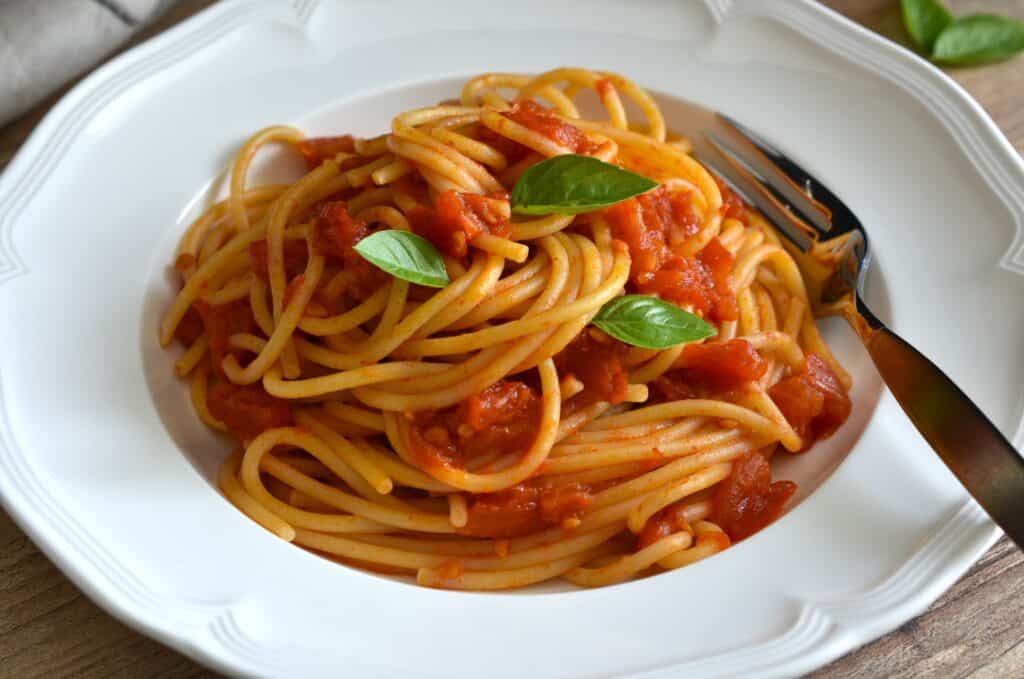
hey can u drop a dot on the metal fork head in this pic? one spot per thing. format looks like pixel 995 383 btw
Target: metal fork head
pixel 828 241
pixel 842 241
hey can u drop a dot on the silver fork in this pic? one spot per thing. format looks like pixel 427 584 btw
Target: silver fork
pixel 831 248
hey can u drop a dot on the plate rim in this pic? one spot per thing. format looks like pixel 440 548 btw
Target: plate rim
pixel 817 635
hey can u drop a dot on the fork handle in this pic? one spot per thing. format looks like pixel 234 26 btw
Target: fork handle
pixel 977 453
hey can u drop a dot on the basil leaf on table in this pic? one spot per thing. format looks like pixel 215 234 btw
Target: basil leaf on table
pixel 925 20
pixel 405 255
pixel 978 38
pixel 571 184
pixel 650 323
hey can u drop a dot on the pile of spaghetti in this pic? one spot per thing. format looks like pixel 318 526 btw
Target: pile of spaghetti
pixel 483 431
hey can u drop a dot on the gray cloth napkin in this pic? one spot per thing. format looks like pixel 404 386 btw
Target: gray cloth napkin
pixel 46 43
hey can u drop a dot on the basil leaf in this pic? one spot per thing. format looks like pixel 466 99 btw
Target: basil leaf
pixel 978 38
pixel 571 184
pixel 405 255
pixel 925 20
pixel 651 323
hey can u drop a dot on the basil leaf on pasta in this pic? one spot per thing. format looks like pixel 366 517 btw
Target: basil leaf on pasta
pixel 925 20
pixel 571 184
pixel 979 38
pixel 405 255
pixel 650 323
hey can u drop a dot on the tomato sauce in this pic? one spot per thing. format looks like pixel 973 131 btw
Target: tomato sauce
pixel 221 322
pixel 649 224
pixel 335 235
pixel 190 327
pixel 458 218
pixel 700 282
pixel 654 226
pixel 336 232
pixel 295 257
pixel 596 361
pixel 717 262
pixel 733 206
pixel 543 121
pixel 247 411
pixel 664 523
pixel 184 261
pixel 709 369
pixel 501 419
pixel 523 509
pixel 813 400
pixel 318 149
pixel 747 500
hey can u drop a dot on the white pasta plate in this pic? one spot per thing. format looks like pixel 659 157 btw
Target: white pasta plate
pixel 106 468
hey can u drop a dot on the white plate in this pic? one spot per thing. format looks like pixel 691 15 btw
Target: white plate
pixel 97 444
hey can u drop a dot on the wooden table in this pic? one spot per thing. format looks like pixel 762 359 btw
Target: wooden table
pixel 49 629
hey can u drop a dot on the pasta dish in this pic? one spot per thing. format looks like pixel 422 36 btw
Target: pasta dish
pixel 502 343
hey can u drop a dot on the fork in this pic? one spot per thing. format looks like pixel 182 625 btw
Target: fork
pixel 831 248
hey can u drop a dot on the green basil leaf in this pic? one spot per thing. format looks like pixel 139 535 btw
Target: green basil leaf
pixel 651 323
pixel 571 184
pixel 405 255
pixel 925 20
pixel 978 38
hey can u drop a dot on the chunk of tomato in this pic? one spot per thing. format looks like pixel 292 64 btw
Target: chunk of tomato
pixel 711 368
pixel 812 400
pixel 247 411
pixel 523 509
pixel 318 149
pixel 597 363
pixel 747 500
pixel 500 420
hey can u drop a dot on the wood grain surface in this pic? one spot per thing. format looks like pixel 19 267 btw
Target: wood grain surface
pixel 49 629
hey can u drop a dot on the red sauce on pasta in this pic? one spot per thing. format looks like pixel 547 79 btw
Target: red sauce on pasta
pixel 523 509
pixel 732 205
pixel 501 419
pixel 813 400
pixel 701 283
pixel 190 327
pixel 717 263
pixel 651 224
pixel 458 218
pixel 318 149
pixel 595 360
pixel 664 523
pixel 184 261
pixel 247 411
pixel 604 88
pixel 711 368
pixel 543 121
pixel 335 235
pixel 747 500
pixel 654 226
pixel 221 322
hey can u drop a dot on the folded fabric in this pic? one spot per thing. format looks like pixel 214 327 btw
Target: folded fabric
pixel 46 43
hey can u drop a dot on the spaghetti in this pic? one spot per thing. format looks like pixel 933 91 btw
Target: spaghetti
pixel 484 435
